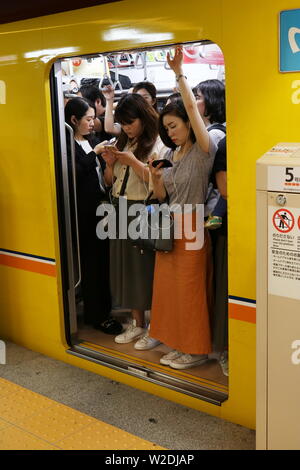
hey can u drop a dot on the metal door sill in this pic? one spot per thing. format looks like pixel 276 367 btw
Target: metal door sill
pixel 215 397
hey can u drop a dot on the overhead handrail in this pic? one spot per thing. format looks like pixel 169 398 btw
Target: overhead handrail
pixel 201 52
pixel 127 61
pixel 191 55
pixel 117 81
pixel 140 57
pixel 167 67
pixel 106 75
pixel 145 66
pixel 157 55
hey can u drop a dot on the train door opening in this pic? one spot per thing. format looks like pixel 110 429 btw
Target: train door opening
pixel 122 70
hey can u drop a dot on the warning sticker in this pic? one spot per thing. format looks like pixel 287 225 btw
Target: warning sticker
pixel 284 252
pixel 283 221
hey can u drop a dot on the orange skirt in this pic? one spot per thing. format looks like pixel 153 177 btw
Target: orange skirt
pixel 182 298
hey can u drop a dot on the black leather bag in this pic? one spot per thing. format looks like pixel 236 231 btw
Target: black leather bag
pixel 154 227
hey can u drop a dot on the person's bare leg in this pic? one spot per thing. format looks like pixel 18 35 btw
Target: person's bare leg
pixel 138 316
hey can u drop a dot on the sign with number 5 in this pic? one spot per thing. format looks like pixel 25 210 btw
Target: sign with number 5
pixel 285 179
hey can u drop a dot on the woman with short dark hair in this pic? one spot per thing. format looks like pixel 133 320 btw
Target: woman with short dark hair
pixel 148 91
pixel 210 96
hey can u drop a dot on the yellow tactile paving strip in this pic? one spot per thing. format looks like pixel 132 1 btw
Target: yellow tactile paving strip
pixel 29 421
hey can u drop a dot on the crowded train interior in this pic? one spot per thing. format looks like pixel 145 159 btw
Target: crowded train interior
pixel 116 75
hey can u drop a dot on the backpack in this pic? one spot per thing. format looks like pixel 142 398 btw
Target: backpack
pixel 218 126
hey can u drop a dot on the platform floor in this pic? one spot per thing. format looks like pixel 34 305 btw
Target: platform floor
pixel 47 404
pixel 30 421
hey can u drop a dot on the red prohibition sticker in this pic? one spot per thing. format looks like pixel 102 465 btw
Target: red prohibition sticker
pixel 284 221
pixel 299 222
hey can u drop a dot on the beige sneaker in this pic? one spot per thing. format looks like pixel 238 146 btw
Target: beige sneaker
pixel 146 342
pixel 171 356
pixel 185 361
pixel 132 332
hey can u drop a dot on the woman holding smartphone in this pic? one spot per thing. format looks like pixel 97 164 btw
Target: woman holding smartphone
pixel 181 321
pixel 131 270
pixel 91 173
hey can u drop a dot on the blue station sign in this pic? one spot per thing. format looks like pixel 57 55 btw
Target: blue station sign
pixel 289 57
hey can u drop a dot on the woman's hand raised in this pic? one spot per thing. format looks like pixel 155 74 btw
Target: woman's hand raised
pixel 109 93
pixel 176 62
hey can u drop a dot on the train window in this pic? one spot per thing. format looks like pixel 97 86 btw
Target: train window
pixel 120 72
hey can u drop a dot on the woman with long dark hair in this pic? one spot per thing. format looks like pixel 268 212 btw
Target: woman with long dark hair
pixel 131 270
pixel 91 172
pixel 146 89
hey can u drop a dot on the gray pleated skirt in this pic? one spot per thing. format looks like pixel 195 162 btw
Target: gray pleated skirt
pixel 131 275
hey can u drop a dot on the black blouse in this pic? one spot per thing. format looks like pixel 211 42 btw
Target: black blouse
pixel 89 194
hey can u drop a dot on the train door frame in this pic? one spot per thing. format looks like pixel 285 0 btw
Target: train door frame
pixel 63 202
pixel 207 392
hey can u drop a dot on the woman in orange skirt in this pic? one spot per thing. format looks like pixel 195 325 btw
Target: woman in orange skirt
pixel 182 290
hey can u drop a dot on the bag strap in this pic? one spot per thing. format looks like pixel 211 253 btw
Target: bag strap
pixel 217 126
pixel 146 202
pixel 124 184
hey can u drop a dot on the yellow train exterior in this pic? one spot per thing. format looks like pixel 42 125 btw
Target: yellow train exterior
pixel 261 111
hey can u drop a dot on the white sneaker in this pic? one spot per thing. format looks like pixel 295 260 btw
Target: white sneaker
pixel 171 356
pixel 223 361
pixel 146 342
pixel 132 332
pixel 185 361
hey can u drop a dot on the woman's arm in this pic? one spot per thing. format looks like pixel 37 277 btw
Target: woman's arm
pixel 159 190
pixel 221 180
pixel 108 175
pixel 109 124
pixel 98 125
pixel 189 101
pixel 128 158
pixel 110 160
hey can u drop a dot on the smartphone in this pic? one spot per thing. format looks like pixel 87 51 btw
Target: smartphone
pixel 110 147
pixel 165 163
pixel 111 144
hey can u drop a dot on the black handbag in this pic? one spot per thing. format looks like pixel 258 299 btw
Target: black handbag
pixel 154 227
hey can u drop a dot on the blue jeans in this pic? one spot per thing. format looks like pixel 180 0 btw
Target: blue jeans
pixel 220 208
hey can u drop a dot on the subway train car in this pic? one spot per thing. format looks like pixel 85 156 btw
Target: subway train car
pixel 38 254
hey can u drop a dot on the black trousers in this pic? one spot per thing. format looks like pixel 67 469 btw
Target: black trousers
pixel 220 312
pixel 94 262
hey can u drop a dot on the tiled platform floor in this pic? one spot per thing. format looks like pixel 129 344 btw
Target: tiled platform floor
pixel 29 421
